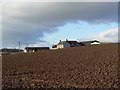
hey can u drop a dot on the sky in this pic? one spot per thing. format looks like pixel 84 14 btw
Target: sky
pixel 45 23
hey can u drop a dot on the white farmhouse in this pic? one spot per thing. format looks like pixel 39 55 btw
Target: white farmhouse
pixel 63 44
pixel 66 44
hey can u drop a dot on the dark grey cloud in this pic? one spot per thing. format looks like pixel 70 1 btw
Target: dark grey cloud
pixel 30 21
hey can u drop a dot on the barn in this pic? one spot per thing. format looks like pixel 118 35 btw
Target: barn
pixel 88 43
pixel 34 49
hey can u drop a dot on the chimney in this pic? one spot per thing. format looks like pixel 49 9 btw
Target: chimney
pixel 66 39
pixel 60 40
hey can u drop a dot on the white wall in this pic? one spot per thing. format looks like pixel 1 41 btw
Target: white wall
pixel 95 43
pixel 59 46
pixel 63 45
pixel 25 51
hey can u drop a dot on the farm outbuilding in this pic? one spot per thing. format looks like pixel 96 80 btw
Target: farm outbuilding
pixel 8 51
pixel 88 43
pixel 34 49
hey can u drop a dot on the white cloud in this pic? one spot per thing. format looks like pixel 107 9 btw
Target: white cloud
pixel 111 35
pixel 38 44
pixel 108 36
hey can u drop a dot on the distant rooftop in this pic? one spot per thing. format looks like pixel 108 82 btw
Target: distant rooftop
pixel 36 47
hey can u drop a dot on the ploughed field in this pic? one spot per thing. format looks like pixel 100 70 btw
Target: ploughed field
pixel 78 67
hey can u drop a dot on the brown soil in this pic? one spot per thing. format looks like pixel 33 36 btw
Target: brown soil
pixel 79 67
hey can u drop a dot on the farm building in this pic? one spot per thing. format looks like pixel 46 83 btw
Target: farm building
pixel 63 44
pixel 6 51
pixel 87 43
pixel 66 44
pixel 34 49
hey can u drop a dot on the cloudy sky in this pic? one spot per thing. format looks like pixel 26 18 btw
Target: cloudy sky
pixel 45 23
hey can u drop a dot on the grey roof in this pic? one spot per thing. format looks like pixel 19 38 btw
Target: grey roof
pixel 62 42
pixel 70 42
pixel 75 42
pixel 89 41
pixel 36 47
pixel 10 50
